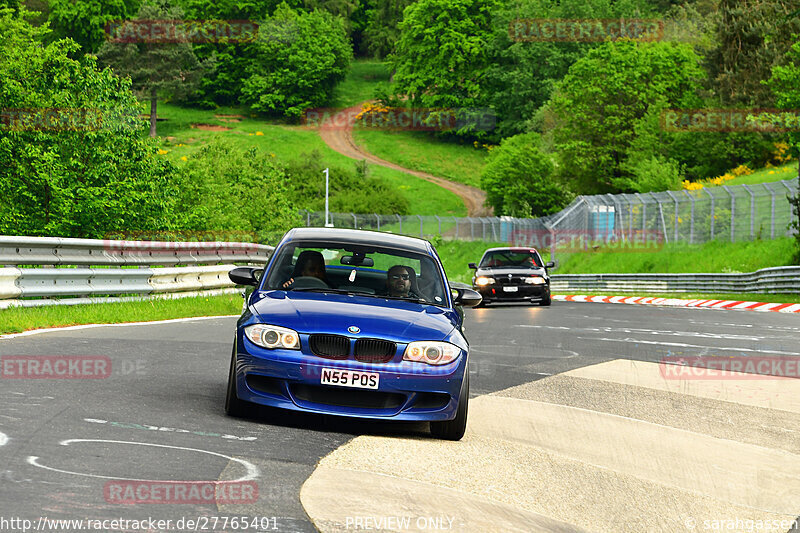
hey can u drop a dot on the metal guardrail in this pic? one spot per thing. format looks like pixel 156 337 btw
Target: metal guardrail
pixel 60 267
pixel 777 280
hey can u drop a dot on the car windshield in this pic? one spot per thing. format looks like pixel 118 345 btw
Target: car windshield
pixel 357 269
pixel 512 259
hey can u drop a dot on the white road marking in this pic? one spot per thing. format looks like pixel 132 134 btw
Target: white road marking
pixel 683 345
pixel 252 470
pixel 89 326
pixel 3 439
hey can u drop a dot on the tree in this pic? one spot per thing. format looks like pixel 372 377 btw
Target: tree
pixel 519 180
pixel 441 57
pixel 382 29
pixel 288 75
pixel 595 109
pixel 170 68
pixel 85 21
pixel 84 171
pixel 754 36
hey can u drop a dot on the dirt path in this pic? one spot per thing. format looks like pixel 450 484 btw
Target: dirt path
pixel 338 134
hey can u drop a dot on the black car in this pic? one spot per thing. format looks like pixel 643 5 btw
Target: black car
pixel 512 274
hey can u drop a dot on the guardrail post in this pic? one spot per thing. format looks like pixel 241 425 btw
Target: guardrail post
pixel 733 211
pixel 691 219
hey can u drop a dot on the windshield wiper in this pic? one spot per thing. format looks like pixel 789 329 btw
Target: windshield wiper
pixel 323 289
pixel 404 298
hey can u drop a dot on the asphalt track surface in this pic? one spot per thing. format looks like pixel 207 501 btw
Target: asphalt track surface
pixel 159 415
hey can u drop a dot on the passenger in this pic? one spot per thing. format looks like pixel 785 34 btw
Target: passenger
pixel 309 263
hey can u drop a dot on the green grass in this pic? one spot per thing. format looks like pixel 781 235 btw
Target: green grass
pixel 425 152
pixel 17 319
pixel 359 86
pixel 736 297
pixel 766 175
pixel 714 256
pixel 287 142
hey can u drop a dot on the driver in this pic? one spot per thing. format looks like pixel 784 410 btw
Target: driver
pixel 402 282
pixel 309 263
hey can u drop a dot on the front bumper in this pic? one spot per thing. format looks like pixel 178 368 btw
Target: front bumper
pixel 290 379
pixel 524 292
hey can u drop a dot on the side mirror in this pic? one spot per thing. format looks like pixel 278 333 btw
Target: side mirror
pixel 466 297
pixel 473 266
pixel 550 264
pixel 246 275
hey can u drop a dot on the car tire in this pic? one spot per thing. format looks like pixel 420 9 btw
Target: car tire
pixel 454 429
pixel 546 301
pixel 233 405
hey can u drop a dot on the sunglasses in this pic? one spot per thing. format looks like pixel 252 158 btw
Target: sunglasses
pixel 401 276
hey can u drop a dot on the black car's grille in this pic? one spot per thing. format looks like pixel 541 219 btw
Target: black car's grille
pixel 374 350
pixel 342 397
pixel 329 346
pixel 505 280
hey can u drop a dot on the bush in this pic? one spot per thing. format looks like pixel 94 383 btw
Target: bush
pixel 351 190
pixel 224 188
pixel 519 179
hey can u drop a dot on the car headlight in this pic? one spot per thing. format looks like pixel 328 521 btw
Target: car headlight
pixel 535 280
pixel 483 280
pixel 268 336
pixel 431 352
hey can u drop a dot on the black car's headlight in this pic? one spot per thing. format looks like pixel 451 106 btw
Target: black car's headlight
pixel 268 336
pixel 535 280
pixel 431 352
pixel 484 280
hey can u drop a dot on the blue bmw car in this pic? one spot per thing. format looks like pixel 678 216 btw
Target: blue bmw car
pixel 353 323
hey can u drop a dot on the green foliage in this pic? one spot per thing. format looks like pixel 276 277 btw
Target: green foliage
pixel 225 188
pixel 350 190
pixel 85 21
pixel 753 35
pixel 382 30
pixel 795 201
pixel 522 75
pixel 599 106
pixel 287 77
pixel 442 54
pixel 83 181
pixel 518 179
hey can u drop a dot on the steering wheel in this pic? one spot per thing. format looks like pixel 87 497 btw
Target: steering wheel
pixel 308 282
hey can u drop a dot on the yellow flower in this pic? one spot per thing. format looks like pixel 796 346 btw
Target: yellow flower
pixel 181 144
pixel 271 155
pixel 259 133
pixel 771 172
pixel 250 134
pixel 184 158
pixel 161 151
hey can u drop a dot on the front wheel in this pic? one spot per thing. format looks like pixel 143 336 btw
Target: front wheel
pixel 546 301
pixel 454 429
pixel 233 405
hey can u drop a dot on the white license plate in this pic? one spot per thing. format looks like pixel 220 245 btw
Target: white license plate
pixel 510 289
pixel 349 378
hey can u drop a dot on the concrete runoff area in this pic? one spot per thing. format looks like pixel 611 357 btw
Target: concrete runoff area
pixel 602 448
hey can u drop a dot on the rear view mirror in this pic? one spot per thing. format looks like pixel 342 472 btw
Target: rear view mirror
pixel 473 266
pixel 550 264
pixel 465 297
pixel 357 260
pixel 246 275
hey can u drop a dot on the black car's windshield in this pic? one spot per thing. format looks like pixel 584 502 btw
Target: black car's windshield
pixel 511 259
pixel 356 269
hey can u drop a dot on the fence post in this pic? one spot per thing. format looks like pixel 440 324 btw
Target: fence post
pixel 661 213
pixel 771 210
pixel 439 220
pixel 472 227
pixel 400 220
pixel 752 211
pixel 420 225
pixel 455 219
pixel 355 221
pixel 691 219
pixel 379 221
pixel 791 192
pixel 733 211
pixel 713 215
pixel 675 199
pixel 644 212
pixel 618 214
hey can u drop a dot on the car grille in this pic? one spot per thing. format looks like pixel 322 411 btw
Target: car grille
pixel 348 397
pixel 374 350
pixel 329 346
pixel 514 280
